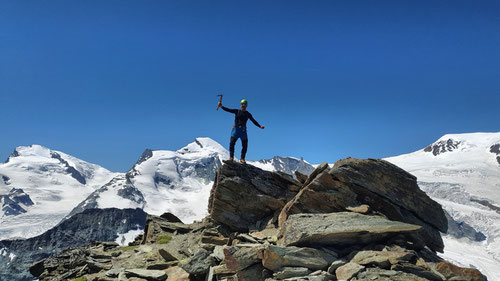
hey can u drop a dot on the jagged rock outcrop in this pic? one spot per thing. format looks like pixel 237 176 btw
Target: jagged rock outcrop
pixel 242 238
pixel 244 195
pixel 385 188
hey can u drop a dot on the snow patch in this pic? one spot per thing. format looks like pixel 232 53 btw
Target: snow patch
pixel 124 238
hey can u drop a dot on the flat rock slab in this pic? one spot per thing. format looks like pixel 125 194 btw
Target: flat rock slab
pixel 340 228
pixel 383 259
pixel 156 275
pixel 275 257
pixel 348 270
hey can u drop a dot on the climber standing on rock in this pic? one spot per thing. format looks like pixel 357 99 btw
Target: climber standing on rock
pixel 240 128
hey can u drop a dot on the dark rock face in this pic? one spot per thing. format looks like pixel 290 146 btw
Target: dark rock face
pixel 496 150
pixel 242 195
pixel 69 169
pixel 12 203
pixel 148 153
pixel 13 154
pixel 384 187
pixel 91 225
pixel 442 146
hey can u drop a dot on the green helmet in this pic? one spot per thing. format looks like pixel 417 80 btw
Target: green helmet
pixel 243 101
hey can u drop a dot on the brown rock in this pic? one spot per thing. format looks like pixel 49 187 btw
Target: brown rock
pixel 348 271
pixel 322 167
pixel 300 177
pixel 274 257
pixel 387 189
pixel 394 184
pixel 214 240
pixel 242 195
pixel 382 259
pixel 362 209
pixel 450 270
pixel 237 259
pixel 323 195
pixel 176 273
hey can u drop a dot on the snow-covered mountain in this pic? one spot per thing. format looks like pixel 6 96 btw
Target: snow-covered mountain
pixel 164 181
pixel 39 186
pixel 176 181
pixel 462 173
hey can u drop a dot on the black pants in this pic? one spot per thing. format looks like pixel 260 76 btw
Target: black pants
pixel 244 144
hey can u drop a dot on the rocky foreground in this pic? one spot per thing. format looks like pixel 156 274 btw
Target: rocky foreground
pixel 359 220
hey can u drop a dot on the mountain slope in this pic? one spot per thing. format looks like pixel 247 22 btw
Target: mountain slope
pixel 176 181
pixel 87 227
pixel 462 173
pixel 52 180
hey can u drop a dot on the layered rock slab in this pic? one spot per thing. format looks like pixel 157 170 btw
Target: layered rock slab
pixel 242 195
pixel 384 187
pixel 341 228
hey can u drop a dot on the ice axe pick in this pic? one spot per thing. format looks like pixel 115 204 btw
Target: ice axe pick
pixel 220 101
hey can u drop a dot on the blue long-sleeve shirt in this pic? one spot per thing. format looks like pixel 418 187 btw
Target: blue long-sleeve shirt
pixel 241 117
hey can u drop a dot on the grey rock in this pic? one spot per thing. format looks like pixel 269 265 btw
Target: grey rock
pixel 382 259
pixel 275 257
pixel 336 264
pixel 289 272
pixel 154 275
pixel 418 271
pixel 199 263
pixel 114 272
pixel 340 228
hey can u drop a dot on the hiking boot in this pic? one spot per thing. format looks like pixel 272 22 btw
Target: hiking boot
pixel 243 161
pixel 231 159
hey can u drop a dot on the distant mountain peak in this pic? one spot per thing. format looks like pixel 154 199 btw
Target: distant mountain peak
pixel 442 146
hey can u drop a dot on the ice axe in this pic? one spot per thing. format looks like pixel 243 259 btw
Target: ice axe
pixel 220 102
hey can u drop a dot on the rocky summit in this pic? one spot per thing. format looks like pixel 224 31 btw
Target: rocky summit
pixel 359 220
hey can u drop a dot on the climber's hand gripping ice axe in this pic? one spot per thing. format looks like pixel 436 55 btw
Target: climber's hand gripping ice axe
pixel 220 102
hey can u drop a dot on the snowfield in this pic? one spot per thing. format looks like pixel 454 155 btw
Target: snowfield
pixel 55 182
pixel 462 173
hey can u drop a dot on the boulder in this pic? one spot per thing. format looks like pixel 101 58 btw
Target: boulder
pixel 199 264
pixel 275 257
pixel 176 273
pixel 242 195
pixel 450 270
pixel 387 189
pixel 348 271
pixel 342 228
pixel 237 259
pixel 394 184
pixel 382 259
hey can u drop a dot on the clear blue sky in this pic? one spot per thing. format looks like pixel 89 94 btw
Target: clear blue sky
pixel 103 80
